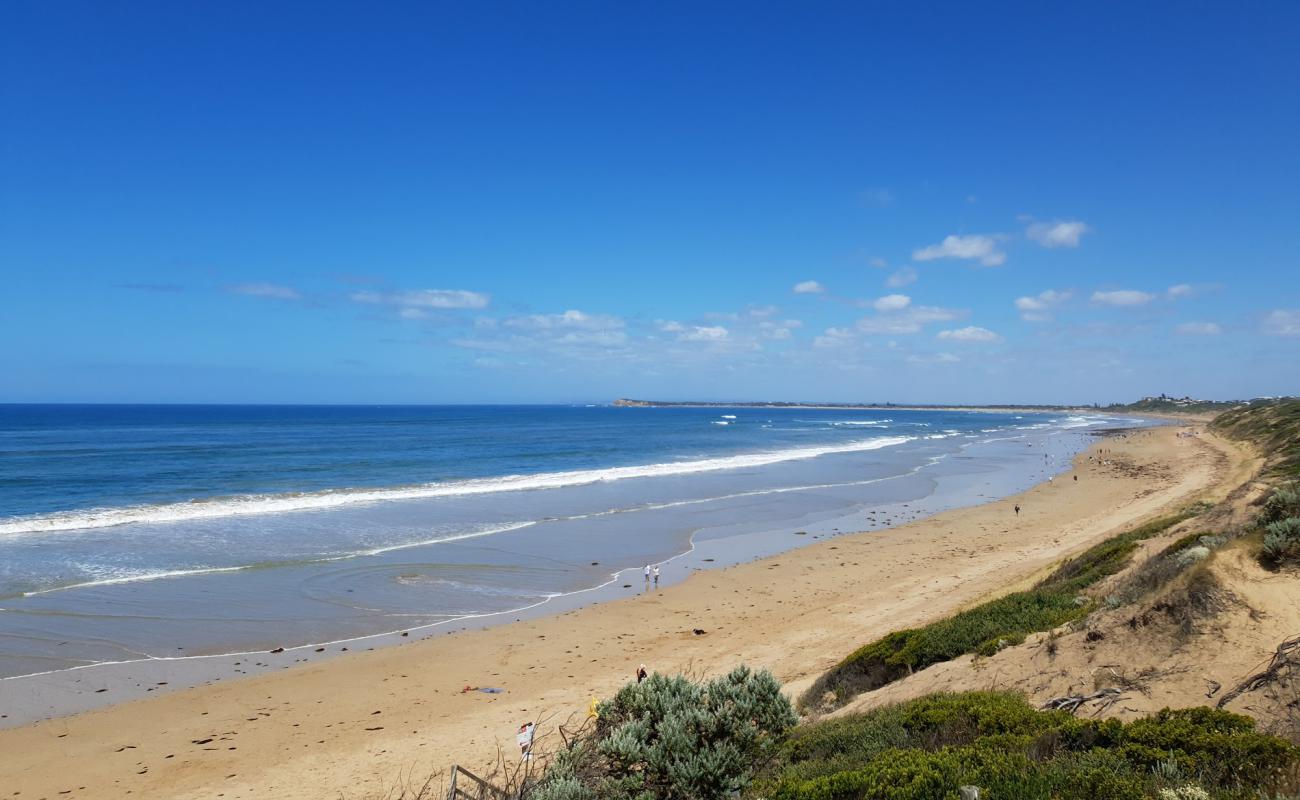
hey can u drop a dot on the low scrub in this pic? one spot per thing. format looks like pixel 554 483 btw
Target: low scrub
pixel 1273 427
pixel 1281 542
pixel 984 629
pixel 927 748
pixel 1284 503
pixel 673 738
pixel 1161 569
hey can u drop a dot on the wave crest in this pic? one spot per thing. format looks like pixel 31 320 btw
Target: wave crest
pixel 248 505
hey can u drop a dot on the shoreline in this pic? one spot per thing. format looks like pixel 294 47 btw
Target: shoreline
pixel 292 743
pixel 64 691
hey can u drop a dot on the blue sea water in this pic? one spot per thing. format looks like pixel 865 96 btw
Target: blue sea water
pixel 136 532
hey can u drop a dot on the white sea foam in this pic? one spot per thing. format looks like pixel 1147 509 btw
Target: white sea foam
pixel 248 505
pixel 875 423
pixel 130 576
pixel 728 416
pixel 721 422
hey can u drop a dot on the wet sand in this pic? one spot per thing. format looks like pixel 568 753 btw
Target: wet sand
pixel 363 723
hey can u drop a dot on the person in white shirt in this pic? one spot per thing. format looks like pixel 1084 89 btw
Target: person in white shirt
pixel 656 573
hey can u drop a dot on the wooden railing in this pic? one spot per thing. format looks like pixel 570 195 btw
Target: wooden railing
pixel 475 787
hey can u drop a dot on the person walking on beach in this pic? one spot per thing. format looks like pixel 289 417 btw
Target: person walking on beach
pixel 1017 509
pixel 641 673
pixel 646 572
pixel 656 574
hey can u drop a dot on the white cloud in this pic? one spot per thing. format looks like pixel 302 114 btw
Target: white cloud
pixel 908 320
pixel 1122 297
pixel 670 325
pixel 901 278
pixel 1061 233
pixel 703 333
pixel 1038 307
pixel 808 287
pixel 1180 290
pixel 267 290
pixel 571 320
pixel 878 262
pixel 834 337
pixel 1282 322
pixel 425 298
pixel 970 334
pixel 773 329
pixel 937 358
pixel 892 302
pixel 1199 329
pixel 570 333
pixel 974 247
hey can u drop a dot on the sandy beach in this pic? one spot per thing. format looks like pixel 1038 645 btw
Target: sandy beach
pixel 364 723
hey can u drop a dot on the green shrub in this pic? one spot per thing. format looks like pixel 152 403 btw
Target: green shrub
pixel 674 738
pixel 1281 542
pixel 925 748
pixel 1282 504
pixel 1214 746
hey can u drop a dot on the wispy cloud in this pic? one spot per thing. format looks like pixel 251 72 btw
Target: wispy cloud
pixel 982 248
pixel 1038 308
pixel 834 337
pixel 808 287
pixel 1179 290
pixel 271 290
pixel 900 278
pixel 1059 233
pixel 441 299
pixel 937 358
pixel 908 320
pixel 569 333
pixel 703 333
pixel 970 334
pixel 1125 298
pixel 1199 329
pixel 571 319
pixel 1282 322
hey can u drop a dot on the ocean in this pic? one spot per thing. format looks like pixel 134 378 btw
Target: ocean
pixel 148 533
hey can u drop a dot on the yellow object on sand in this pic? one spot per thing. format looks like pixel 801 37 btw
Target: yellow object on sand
pixel 592 713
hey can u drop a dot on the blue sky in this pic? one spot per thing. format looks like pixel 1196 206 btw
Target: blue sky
pixel 347 202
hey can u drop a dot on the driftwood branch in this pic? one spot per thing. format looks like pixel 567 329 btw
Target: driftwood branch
pixel 1287 654
pixel 1104 698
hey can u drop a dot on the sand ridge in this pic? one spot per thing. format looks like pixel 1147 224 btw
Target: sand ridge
pixel 358 725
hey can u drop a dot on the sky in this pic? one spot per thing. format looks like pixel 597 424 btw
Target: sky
pixel 426 202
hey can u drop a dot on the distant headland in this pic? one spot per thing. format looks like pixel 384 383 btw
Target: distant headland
pixel 627 402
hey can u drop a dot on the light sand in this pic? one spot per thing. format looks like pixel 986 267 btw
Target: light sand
pixel 357 725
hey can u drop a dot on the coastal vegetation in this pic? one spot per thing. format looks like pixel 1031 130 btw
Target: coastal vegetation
pixel 674 738
pixel 1273 426
pixel 671 737
pixel 986 628
pixel 997 743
